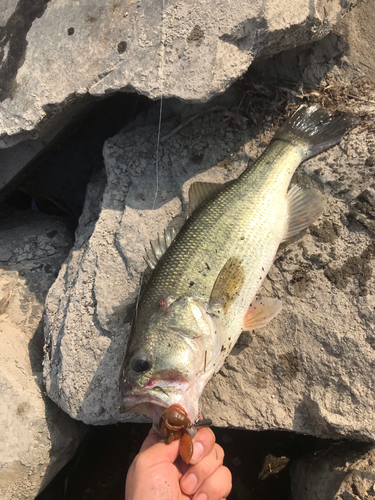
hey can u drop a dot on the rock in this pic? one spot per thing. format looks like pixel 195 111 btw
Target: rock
pixel 310 371
pixel 13 159
pixel 343 472
pixel 37 437
pixel 53 171
pixel 356 30
pixel 55 54
pixel 18 155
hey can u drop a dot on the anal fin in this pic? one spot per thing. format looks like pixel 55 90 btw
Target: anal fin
pixel 260 312
pixel 304 206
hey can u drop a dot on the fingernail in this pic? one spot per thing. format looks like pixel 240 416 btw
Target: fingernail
pixel 201 496
pixel 197 453
pixel 189 483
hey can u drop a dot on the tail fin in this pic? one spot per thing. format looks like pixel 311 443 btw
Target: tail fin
pixel 315 128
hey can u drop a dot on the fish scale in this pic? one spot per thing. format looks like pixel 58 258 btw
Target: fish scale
pixel 241 221
pixel 202 292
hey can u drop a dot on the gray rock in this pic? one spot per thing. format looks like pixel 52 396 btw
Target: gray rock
pixel 37 437
pixel 13 159
pixel 55 53
pixel 310 371
pixel 16 157
pixel 343 472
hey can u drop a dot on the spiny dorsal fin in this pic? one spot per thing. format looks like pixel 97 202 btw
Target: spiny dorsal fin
pixel 260 312
pixel 228 284
pixel 304 206
pixel 159 246
pixel 199 191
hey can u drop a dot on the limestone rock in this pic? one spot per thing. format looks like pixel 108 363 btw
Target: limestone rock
pixel 343 472
pixel 13 159
pixel 37 438
pixel 310 371
pixel 53 54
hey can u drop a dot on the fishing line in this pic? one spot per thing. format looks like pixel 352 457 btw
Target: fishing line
pixel 157 411
pixel 158 387
pixel 158 137
pixel 161 104
pixel 138 298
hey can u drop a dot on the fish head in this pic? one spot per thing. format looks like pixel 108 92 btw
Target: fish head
pixel 166 358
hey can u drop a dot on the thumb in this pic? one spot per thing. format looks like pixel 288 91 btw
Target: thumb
pixel 158 450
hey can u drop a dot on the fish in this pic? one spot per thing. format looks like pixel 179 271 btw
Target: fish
pixel 203 290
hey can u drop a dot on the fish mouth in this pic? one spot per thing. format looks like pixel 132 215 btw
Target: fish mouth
pixel 154 401
pixel 145 404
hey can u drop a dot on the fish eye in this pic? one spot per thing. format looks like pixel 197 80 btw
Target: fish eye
pixel 140 364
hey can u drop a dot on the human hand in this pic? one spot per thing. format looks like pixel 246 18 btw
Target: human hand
pixel 158 473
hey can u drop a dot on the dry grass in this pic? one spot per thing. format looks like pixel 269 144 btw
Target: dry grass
pixel 272 103
pixel 263 106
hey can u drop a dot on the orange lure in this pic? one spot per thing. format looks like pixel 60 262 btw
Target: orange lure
pixel 173 425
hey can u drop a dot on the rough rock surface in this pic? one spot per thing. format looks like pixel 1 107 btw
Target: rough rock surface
pixel 15 158
pixel 37 438
pixel 344 472
pixel 54 53
pixel 311 370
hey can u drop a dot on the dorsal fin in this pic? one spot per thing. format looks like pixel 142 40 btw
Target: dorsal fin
pixel 199 191
pixel 159 246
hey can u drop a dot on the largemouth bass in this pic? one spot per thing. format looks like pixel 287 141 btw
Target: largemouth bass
pixel 203 290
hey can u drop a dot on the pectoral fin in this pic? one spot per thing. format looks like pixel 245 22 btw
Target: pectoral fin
pixel 199 191
pixel 304 206
pixel 228 284
pixel 260 312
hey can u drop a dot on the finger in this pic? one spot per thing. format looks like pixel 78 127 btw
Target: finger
pixel 216 486
pixel 198 473
pixel 155 451
pixel 203 443
pixel 152 438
